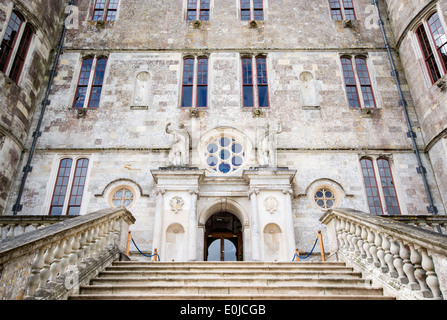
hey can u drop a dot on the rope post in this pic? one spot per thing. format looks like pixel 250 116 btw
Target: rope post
pixel 155 255
pixel 128 243
pixel 320 240
pixel 297 255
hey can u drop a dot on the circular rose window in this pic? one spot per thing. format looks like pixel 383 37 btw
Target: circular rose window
pixel 324 198
pixel 122 197
pixel 224 155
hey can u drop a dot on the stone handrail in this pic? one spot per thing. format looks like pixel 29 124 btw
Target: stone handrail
pixel 51 262
pixel 429 222
pixel 410 262
pixel 12 226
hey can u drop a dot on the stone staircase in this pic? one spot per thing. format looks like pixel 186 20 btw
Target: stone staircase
pixel 137 280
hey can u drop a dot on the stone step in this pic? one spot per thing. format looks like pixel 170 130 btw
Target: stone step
pixel 228 297
pixel 230 289
pixel 232 274
pixel 144 281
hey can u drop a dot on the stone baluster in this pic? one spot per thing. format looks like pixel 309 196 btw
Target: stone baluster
pixel 362 242
pixel 373 248
pixel 358 241
pixel 386 244
pixel 380 253
pixel 73 257
pixel 340 228
pixel 94 245
pixel 408 267
pixel 88 246
pixel 36 267
pixel 45 271
pixel 65 258
pixel 350 237
pixel 10 232
pixel 81 251
pixel 345 235
pixel 432 279
pixel 55 267
pixel 397 261
pixel 419 273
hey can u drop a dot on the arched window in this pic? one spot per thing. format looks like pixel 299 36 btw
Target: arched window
pixel 18 35
pixel 372 190
pixel 72 182
pixel 436 64
pixel 372 186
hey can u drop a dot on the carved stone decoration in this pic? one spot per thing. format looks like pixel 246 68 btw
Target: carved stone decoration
pixel 179 153
pixel 176 204
pixel 141 90
pixel 271 204
pixel 267 146
pixel 308 90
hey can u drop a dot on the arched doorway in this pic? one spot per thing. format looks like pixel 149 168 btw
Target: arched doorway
pixel 223 238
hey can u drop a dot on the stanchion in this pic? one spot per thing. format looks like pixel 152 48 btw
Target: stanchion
pixel 155 255
pixel 320 240
pixel 128 243
pixel 297 255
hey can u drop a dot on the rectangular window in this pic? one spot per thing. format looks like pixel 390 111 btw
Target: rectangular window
pixel 252 10
pixel 198 10
pixel 355 79
pixel 339 12
pixel 427 52
pixel 202 82
pixel 22 51
pixel 188 77
pixel 372 191
pixel 61 189
pixel 247 82
pixel 105 10
pixel 98 79
pixel 255 82
pixel 389 191
pixel 77 189
pixel 195 89
pixel 372 188
pixel 440 39
pixel 365 83
pixel 90 89
pixel 18 36
pixel 350 83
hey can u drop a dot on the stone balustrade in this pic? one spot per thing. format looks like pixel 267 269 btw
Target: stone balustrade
pixel 51 262
pixel 11 226
pixel 408 261
pixel 429 222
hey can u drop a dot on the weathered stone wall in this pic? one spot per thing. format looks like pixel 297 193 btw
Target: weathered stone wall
pixel 322 142
pixel 429 99
pixel 18 100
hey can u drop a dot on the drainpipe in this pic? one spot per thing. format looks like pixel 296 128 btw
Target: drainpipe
pixel 37 133
pixel 403 103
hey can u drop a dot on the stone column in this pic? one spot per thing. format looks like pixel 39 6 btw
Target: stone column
pixel 290 232
pixel 255 245
pixel 193 226
pixel 158 220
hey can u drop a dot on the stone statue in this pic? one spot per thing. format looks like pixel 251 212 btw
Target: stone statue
pixel 267 146
pixel 179 154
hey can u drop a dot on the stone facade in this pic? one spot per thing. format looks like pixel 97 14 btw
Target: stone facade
pixel 320 145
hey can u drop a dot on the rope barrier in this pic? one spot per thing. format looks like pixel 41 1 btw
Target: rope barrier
pixel 149 256
pixel 308 254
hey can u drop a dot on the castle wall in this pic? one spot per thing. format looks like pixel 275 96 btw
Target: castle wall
pixel 19 99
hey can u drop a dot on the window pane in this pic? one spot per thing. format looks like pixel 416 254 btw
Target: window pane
pixel 372 192
pixel 9 40
pixel 97 83
pixel 187 96
pixel 427 52
pixel 335 10
pixel 99 10
pixel 201 96
pixel 388 186
pixel 21 54
pixel 263 96
pixel 84 77
pixel 248 96
pixel 60 188
pixel 77 188
pixel 349 10
pixel 440 37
